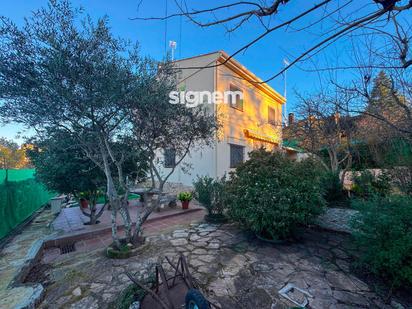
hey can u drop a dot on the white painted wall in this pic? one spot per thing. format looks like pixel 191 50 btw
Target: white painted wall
pixel 201 160
pixel 215 161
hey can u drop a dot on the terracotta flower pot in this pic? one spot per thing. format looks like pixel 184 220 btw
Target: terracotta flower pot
pixel 185 204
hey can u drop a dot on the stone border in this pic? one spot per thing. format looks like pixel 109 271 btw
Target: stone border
pixel 77 236
pixel 33 256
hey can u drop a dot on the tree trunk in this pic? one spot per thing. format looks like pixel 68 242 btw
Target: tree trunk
pixel 124 212
pixel 114 227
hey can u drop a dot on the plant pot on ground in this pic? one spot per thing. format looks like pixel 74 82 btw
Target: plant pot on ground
pixel 88 201
pixel 185 198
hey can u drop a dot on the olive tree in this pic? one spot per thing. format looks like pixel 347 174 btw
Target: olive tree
pixel 159 125
pixel 63 71
pixel 60 71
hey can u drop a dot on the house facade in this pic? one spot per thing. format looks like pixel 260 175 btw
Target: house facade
pixel 248 121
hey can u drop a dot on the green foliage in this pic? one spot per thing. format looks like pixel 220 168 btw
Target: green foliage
pixel 62 166
pixel 272 195
pixel 367 185
pixel 381 154
pixel 333 190
pixel 129 295
pixel 185 196
pixel 210 193
pixel 383 232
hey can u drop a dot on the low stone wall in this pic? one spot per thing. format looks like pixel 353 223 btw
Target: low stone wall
pixel 350 176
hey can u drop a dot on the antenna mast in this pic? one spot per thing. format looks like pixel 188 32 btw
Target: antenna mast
pixel 172 45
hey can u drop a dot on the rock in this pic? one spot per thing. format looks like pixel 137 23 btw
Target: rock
pixel 350 298
pixel 342 264
pixel 207 258
pixel 86 303
pixel 340 281
pixel 107 297
pixel 77 291
pixel 213 245
pixel 180 234
pixel 195 263
pixel 199 251
pixel 200 244
pixel 261 267
pixel 179 242
pixel 194 237
pixel 97 287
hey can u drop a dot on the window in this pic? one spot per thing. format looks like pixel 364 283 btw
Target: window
pixel 236 155
pixel 170 158
pixel 272 116
pixel 236 97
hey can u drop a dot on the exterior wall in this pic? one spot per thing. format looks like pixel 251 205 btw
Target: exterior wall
pixel 200 161
pixel 215 161
pixel 254 117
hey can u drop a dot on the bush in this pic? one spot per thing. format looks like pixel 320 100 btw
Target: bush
pixel 366 185
pixel 383 232
pixel 333 189
pixel 210 193
pixel 272 195
pixel 402 178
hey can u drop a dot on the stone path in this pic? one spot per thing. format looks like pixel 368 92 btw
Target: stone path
pixel 13 258
pixel 233 268
pixel 336 219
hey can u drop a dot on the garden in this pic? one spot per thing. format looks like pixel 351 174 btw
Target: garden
pixel 330 228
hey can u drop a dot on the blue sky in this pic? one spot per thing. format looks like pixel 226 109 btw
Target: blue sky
pixel 264 59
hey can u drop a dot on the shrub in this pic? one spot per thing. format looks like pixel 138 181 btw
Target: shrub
pixel 402 178
pixel 333 189
pixel 366 185
pixel 272 195
pixel 210 193
pixel 383 232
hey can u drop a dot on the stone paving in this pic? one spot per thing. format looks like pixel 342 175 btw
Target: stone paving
pixel 337 219
pixel 233 268
pixel 13 257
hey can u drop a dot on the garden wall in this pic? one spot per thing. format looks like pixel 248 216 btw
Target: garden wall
pixel 20 197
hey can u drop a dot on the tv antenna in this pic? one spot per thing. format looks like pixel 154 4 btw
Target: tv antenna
pixel 172 45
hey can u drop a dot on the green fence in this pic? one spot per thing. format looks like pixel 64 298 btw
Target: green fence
pixel 20 197
pixel 16 175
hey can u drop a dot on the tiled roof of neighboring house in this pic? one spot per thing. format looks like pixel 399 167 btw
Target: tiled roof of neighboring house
pixel 292 145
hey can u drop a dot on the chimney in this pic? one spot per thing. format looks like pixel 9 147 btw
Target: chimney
pixel 337 117
pixel 291 119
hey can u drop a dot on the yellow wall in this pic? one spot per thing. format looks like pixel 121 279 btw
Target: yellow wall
pixel 254 117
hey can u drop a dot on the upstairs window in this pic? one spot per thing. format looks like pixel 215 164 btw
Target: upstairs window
pixel 169 158
pixel 272 116
pixel 236 97
pixel 236 155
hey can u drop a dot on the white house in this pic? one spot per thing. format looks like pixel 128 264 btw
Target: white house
pixel 250 123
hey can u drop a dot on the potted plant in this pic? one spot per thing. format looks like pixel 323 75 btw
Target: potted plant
pixel 185 198
pixel 88 200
